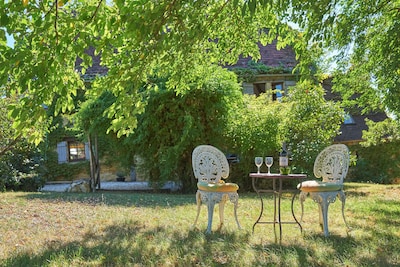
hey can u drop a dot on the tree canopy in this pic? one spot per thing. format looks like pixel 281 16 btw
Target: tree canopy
pixel 364 38
pixel 140 39
pixel 136 40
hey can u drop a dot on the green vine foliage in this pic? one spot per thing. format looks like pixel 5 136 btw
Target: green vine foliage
pixel 174 124
pixel 254 130
pixel 304 120
pixel 91 119
pixel 254 68
pixel 214 111
pixel 20 161
pixel 53 171
pixel 310 123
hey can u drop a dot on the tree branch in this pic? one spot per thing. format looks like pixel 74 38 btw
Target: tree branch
pixel 55 21
pixel 10 145
pixel 90 19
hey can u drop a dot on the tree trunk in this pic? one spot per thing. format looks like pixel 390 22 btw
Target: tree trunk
pixel 97 161
pixel 94 163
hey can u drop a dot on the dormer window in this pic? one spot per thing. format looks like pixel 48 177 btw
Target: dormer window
pixel 348 119
pixel 275 90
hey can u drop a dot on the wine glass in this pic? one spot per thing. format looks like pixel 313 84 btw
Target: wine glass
pixel 269 161
pixel 258 161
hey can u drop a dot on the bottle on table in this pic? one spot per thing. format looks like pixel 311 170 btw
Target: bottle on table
pixel 284 160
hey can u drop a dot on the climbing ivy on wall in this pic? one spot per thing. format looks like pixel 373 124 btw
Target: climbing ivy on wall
pixel 254 68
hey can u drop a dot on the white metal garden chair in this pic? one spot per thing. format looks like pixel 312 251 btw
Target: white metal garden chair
pixel 332 165
pixel 210 166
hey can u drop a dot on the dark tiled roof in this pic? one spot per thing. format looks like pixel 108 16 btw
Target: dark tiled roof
pixel 272 57
pixel 96 69
pixel 351 132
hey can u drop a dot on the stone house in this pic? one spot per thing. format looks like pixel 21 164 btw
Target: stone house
pixel 272 73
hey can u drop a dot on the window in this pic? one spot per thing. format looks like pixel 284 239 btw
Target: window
pixel 76 151
pixel 258 88
pixel 277 91
pixel 348 119
pixel 72 151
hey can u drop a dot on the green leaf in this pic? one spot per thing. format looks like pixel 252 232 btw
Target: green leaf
pixel 252 6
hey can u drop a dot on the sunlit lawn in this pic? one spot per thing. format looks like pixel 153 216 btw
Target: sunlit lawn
pixel 144 229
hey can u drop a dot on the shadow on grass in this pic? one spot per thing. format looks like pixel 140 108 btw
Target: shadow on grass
pixel 382 243
pixel 390 211
pixel 125 245
pixel 127 199
pixel 133 242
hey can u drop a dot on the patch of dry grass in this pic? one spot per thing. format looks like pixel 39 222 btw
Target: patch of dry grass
pixel 143 229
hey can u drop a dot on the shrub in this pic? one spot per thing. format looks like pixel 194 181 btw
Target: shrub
pixel 254 131
pixel 310 123
pixel 20 167
pixel 304 120
pixel 377 164
pixel 174 124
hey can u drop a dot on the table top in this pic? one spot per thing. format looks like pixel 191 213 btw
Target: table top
pixel 278 175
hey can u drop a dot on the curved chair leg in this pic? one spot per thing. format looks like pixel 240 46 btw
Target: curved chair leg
pixel 221 213
pixel 234 199
pixel 323 199
pixel 302 197
pixel 320 216
pixel 198 202
pixel 210 199
pixel 210 206
pixel 235 212
pixel 324 205
pixel 342 198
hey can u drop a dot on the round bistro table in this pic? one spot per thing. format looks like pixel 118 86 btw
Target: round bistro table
pixel 277 191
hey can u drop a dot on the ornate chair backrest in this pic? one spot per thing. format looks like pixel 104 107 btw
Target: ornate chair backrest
pixel 209 164
pixel 332 163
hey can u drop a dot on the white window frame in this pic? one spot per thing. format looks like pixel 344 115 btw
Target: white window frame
pixel 64 156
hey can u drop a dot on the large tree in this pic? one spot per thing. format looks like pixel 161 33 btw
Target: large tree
pixel 137 39
pixel 363 38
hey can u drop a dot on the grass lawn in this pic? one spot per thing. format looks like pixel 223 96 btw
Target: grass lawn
pixel 144 229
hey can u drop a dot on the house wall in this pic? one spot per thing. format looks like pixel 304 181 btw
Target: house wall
pixel 107 172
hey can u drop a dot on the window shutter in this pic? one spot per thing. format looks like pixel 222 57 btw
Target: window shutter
pixel 87 151
pixel 62 152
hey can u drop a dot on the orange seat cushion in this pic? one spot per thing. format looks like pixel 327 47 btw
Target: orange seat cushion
pixel 317 186
pixel 217 187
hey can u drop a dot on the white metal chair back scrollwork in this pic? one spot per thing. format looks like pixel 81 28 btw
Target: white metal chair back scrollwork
pixel 210 166
pixel 331 165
